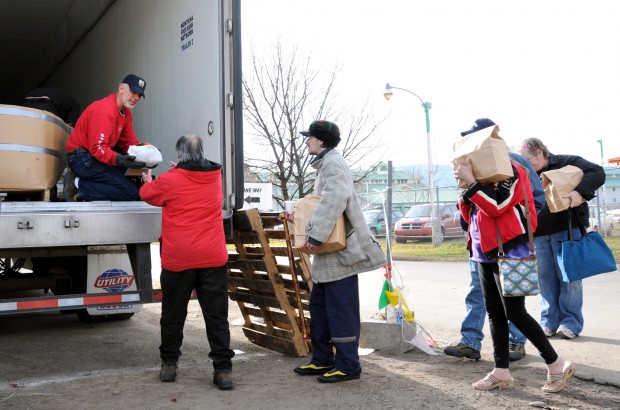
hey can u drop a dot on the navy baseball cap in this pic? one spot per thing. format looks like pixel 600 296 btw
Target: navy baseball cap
pixel 135 83
pixel 479 124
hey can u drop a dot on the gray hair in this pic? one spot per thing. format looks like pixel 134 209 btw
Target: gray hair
pixel 189 148
pixel 531 145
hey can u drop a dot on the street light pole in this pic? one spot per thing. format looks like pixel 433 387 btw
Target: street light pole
pixel 435 226
pixel 602 229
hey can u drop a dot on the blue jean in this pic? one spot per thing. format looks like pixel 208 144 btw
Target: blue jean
pixel 100 182
pixel 561 303
pixel 335 313
pixel 471 328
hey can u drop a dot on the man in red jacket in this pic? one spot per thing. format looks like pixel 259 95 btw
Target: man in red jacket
pixel 97 147
pixel 193 256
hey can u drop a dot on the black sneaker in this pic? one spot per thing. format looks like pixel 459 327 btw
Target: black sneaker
pixel 335 376
pixel 461 350
pixel 168 372
pixel 516 352
pixel 69 190
pixel 223 379
pixel 312 370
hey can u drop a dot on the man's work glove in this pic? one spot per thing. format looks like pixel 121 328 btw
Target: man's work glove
pixel 128 161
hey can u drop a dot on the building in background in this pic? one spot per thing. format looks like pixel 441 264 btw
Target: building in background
pixel 409 186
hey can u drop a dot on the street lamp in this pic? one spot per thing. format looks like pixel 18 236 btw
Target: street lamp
pixel 602 228
pixel 435 230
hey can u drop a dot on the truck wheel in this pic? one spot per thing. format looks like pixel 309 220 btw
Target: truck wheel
pixel 120 316
pixel 400 240
pixel 86 317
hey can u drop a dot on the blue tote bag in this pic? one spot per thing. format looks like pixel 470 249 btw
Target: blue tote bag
pixel 588 256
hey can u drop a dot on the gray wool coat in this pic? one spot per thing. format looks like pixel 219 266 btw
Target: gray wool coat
pixel 334 183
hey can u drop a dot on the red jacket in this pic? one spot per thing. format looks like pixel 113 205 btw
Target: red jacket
pixel 192 222
pixel 102 127
pixel 501 204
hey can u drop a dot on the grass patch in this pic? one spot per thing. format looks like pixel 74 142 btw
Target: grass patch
pixel 450 250
pixel 454 250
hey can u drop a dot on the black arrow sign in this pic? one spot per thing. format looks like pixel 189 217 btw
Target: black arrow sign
pixel 250 199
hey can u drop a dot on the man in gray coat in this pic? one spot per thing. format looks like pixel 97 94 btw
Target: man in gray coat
pixel 334 301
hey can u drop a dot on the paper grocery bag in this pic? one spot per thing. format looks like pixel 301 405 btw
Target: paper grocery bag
pixel 303 213
pixel 488 153
pixel 558 183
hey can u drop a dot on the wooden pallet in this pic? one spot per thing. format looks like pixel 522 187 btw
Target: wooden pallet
pixel 271 282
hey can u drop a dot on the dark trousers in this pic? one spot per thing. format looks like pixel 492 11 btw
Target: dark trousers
pixel 335 322
pixel 502 309
pixel 212 292
pixel 98 181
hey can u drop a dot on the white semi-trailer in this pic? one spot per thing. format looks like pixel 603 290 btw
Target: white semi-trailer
pixel 93 258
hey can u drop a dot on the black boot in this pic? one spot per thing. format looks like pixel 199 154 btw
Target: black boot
pixel 168 372
pixel 223 379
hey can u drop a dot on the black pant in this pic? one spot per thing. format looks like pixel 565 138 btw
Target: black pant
pixel 212 292
pixel 502 309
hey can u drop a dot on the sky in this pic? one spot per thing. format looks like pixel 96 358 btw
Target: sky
pixel 545 68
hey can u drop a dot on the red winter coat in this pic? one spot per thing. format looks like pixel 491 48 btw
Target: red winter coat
pixel 500 205
pixel 102 127
pixel 192 222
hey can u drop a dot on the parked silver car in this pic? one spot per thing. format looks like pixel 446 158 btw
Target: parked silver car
pixel 375 218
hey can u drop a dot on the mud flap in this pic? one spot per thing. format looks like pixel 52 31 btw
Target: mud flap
pixel 109 270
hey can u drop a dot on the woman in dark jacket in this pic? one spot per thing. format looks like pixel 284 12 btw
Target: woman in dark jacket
pixel 561 302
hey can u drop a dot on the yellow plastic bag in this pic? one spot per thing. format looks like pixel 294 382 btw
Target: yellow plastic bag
pixel 395 298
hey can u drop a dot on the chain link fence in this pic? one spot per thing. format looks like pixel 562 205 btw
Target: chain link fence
pixel 605 211
pixel 411 213
pixel 413 208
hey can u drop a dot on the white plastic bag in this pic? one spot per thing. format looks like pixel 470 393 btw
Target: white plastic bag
pixel 146 153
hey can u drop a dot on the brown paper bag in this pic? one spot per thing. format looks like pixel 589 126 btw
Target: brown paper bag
pixel 558 183
pixel 488 153
pixel 303 213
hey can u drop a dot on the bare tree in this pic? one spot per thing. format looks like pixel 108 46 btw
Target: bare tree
pixel 282 94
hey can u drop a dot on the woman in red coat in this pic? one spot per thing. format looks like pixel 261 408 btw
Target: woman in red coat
pixel 193 256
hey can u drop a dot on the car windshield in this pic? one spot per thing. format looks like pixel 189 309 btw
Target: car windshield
pixel 371 216
pixel 420 211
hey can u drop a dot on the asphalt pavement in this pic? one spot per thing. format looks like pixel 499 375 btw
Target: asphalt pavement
pixel 436 292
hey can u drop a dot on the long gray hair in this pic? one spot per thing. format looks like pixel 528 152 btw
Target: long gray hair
pixel 189 148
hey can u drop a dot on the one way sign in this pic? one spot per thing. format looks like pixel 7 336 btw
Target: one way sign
pixel 258 196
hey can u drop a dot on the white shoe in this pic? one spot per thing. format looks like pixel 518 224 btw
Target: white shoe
pixel 548 332
pixel 566 333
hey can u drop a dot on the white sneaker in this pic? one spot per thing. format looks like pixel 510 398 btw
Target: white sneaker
pixel 565 333
pixel 548 332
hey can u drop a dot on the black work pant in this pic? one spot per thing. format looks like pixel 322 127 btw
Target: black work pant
pixel 502 309
pixel 212 292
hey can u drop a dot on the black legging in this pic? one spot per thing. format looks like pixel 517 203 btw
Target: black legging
pixel 502 309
